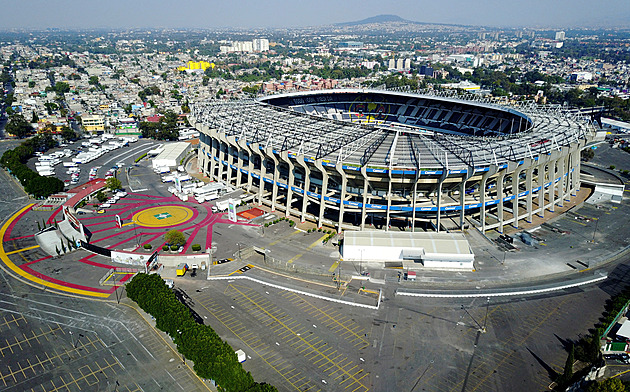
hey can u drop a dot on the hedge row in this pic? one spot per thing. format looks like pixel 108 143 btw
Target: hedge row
pixel 140 157
pixel 212 357
pixel 15 161
pixel 276 221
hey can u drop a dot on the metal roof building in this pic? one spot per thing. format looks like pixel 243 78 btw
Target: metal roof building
pixel 433 250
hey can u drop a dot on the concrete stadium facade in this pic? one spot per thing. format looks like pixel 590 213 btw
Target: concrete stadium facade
pixel 349 158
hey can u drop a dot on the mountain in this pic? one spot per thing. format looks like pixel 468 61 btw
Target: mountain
pixel 385 20
pixel 376 19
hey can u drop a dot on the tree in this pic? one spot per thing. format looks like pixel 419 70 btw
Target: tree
pixel 113 183
pixel 609 385
pixel 93 81
pixel 100 196
pixel 568 366
pixel 68 134
pixel 175 237
pixel 19 127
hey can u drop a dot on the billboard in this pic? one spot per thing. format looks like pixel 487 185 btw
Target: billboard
pixel 232 210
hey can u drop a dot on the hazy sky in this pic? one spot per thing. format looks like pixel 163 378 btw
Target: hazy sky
pixel 299 13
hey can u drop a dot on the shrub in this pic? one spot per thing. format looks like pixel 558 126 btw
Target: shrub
pixel 174 247
pixel 612 167
pixel 165 248
pixel 175 237
pixel 196 247
pixel 147 246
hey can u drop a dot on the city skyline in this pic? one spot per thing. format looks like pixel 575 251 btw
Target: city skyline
pixel 73 14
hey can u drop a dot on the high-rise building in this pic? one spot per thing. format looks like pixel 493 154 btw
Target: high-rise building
pixel 559 35
pixel 260 44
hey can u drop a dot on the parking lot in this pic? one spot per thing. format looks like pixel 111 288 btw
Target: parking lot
pixel 53 343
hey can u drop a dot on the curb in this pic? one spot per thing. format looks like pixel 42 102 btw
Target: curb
pixel 478 294
pixel 373 307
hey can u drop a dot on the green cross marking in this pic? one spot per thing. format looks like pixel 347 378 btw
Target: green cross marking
pixel 163 215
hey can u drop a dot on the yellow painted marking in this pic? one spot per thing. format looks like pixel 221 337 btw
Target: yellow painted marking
pixel 284 238
pixel 334 266
pixel 5 259
pixel 163 216
pixel 311 246
pixel 22 250
pixel 128 224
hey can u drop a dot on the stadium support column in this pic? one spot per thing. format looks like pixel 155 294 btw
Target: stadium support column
pixel 530 189
pixel 307 186
pixel 344 184
pixel 482 195
pixel 213 155
pixel 414 201
pixel 389 199
pixel 230 162
pixel 263 171
pixel 250 164
pixel 285 157
pixel 462 196
pixel 324 190
pixel 439 198
pixel 553 173
pixel 543 160
pixel 365 190
pixel 500 196
pixel 562 171
pixel 276 177
pixel 222 157
pixel 201 157
pixel 575 163
pixel 516 181
pixel 242 149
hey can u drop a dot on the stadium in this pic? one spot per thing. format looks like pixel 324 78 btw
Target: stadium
pixel 348 158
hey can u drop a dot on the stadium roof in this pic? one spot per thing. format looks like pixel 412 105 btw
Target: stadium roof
pixel 391 144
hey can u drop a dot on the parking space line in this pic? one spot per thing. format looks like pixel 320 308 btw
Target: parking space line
pixel 256 349
pixel 22 250
pixel 308 348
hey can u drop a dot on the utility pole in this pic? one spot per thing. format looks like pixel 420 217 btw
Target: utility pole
pixel 115 287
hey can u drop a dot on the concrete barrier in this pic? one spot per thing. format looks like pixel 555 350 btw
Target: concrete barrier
pixel 339 301
pixel 481 294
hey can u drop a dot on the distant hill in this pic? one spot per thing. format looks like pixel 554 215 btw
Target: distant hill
pixel 375 19
pixel 380 19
